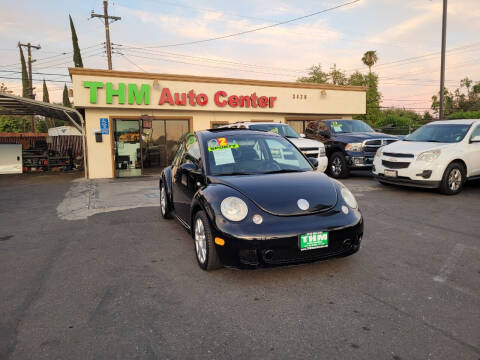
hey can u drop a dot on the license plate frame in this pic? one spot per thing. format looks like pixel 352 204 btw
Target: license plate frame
pixel 390 173
pixel 313 240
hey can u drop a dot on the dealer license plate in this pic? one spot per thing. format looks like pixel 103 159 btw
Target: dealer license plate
pixel 314 240
pixel 390 173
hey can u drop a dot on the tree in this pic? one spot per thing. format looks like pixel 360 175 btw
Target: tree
pixel 337 77
pixel 46 97
pixel 25 80
pixel 465 98
pixel 315 75
pixel 66 100
pixel 9 123
pixel 77 57
pixel 370 58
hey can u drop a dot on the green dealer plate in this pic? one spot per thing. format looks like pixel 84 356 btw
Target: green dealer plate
pixel 314 240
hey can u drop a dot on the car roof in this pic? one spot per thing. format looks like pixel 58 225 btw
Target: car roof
pixel 457 121
pixel 229 131
pixel 255 123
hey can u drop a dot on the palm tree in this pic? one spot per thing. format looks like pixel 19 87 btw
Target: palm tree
pixel 370 58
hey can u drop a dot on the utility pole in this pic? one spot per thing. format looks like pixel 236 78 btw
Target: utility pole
pixel 29 47
pixel 106 20
pixel 442 65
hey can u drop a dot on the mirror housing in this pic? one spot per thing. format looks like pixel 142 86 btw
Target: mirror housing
pixel 313 162
pixel 325 134
pixel 190 168
pixel 475 139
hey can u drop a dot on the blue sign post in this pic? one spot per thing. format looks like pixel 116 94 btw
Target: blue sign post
pixel 104 126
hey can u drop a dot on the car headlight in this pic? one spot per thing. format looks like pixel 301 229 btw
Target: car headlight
pixel 349 198
pixel 321 151
pixel 379 152
pixel 234 208
pixel 429 155
pixel 354 147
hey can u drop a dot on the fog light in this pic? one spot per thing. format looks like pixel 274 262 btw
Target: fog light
pixel 219 241
pixel 345 209
pixel 425 174
pixel 257 219
pixel 358 161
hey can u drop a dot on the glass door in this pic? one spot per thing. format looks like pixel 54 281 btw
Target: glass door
pixel 128 155
pixel 159 143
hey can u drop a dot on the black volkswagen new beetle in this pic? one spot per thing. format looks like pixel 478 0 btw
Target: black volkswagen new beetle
pixel 251 198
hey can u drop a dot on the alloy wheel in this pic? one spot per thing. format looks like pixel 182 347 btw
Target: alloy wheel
pixel 454 179
pixel 336 166
pixel 200 241
pixel 163 200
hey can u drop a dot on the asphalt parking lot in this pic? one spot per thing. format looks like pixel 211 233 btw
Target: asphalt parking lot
pixel 89 271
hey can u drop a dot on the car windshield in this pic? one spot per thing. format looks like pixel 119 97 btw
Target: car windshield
pixel 348 126
pixel 442 133
pixel 249 154
pixel 284 130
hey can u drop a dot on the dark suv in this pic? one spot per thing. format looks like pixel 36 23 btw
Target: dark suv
pixel 349 144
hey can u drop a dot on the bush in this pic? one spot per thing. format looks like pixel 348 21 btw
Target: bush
pixel 464 115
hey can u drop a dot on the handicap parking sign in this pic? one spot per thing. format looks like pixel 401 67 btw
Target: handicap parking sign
pixel 104 126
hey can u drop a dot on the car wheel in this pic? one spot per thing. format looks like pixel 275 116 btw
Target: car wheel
pixel 205 250
pixel 164 203
pixel 453 179
pixel 338 166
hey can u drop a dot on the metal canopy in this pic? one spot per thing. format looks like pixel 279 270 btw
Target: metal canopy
pixel 16 105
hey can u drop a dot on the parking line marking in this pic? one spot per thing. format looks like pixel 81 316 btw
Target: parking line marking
pixel 450 264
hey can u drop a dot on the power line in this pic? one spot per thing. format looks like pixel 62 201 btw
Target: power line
pixel 257 29
pixel 38 80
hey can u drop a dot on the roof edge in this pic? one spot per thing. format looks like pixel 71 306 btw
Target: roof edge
pixel 207 79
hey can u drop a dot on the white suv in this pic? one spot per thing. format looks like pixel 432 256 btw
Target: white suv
pixel 441 154
pixel 310 148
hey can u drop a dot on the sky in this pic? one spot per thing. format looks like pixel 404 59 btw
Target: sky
pixel 405 33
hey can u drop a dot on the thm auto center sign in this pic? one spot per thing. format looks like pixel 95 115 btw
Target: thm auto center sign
pixel 134 94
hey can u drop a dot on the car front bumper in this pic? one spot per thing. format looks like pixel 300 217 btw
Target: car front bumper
pixel 359 160
pixel 418 173
pixel 257 245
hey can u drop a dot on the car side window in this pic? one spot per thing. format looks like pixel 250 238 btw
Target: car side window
pixel 178 154
pixel 475 132
pixel 192 155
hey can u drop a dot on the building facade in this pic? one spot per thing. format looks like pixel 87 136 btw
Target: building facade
pixel 133 120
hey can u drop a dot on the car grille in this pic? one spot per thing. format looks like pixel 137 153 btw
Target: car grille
pixel 310 151
pixel 395 165
pixel 398 155
pixel 373 145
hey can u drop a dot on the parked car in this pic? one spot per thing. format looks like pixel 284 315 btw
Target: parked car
pixel 441 154
pixel 251 198
pixel 311 148
pixel 349 144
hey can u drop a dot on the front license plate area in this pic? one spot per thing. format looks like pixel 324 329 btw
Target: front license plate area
pixel 313 240
pixel 390 173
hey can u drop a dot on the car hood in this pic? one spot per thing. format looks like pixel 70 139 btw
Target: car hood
pixel 306 143
pixel 413 147
pixel 278 194
pixel 362 136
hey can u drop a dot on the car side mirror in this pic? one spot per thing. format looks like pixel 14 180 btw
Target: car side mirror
pixel 325 134
pixel 475 139
pixel 191 168
pixel 313 162
pixel 302 135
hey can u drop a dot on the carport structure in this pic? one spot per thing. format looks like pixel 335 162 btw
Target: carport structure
pixel 16 105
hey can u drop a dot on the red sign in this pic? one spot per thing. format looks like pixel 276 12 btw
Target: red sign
pixel 221 99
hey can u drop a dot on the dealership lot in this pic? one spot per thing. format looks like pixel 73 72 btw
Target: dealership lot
pixel 88 270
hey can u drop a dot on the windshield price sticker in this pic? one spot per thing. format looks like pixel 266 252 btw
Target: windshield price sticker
pixel 222 147
pixel 315 240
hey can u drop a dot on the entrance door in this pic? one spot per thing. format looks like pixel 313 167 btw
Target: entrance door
pixel 128 156
pixel 159 143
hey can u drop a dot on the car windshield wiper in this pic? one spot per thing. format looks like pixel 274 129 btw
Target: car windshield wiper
pixel 283 171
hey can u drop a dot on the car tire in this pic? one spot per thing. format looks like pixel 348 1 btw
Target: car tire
pixel 337 166
pixel 205 250
pixel 453 179
pixel 165 208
